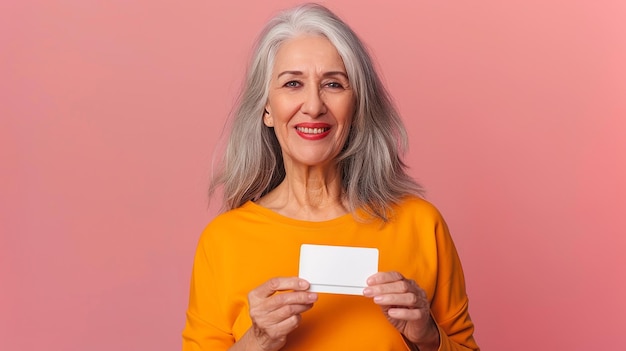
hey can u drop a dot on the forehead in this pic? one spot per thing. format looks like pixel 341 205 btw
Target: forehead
pixel 306 52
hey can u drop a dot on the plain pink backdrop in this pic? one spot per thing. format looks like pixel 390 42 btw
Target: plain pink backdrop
pixel 110 112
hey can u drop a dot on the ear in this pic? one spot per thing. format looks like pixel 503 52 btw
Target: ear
pixel 267 117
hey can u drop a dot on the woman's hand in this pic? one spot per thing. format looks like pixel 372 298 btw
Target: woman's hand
pixel 406 307
pixel 275 309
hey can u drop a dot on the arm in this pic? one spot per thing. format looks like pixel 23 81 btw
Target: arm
pixel 209 321
pixel 201 331
pixel 441 323
pixel 450 304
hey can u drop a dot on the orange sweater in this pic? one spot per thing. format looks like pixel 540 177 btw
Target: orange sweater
pixel 241 249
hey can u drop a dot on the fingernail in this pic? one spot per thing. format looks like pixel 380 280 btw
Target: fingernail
pixel 303 284
pixel 378 298
pixel 392 312
pixel 367 292
pixel 312 296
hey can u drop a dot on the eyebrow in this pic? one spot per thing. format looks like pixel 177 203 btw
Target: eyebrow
pixel 326 74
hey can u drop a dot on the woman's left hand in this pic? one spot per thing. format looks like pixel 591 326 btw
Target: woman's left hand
pixel 406 307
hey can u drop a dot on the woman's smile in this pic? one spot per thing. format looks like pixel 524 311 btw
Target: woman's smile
pixel 313 131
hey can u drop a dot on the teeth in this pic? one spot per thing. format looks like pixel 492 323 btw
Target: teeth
pixel 312 130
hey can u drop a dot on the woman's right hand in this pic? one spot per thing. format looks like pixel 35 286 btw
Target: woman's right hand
pixel 275 309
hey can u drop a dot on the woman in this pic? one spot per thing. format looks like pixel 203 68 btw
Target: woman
pixel 313 158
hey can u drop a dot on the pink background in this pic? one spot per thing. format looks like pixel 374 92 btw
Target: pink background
pixel 110 111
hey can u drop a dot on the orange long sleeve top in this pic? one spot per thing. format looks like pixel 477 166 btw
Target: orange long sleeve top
pixel 242 248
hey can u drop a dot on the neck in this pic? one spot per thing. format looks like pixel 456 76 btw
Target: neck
pixel 309 193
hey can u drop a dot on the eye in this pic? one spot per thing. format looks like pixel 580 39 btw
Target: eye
pixel 292 84
pixel 334 85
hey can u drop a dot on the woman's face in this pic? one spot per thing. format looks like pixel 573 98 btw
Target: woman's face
pixel 311 101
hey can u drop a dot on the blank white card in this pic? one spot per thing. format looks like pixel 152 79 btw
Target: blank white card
pixel 337 269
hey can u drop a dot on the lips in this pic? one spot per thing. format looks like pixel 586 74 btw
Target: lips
pixel 313 131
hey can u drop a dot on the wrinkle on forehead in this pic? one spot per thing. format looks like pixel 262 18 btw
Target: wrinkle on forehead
pixel 308 54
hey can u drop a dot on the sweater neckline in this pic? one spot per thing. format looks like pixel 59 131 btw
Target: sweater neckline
pixel 279 218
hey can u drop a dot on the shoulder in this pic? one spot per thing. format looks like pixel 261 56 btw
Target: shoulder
pixel 247 213
pixel 418 215
pixel 224 224
pixel 422 219
pixel 414 206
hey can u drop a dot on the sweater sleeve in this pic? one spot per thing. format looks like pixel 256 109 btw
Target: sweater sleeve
pixel 202 331
pixel 449 304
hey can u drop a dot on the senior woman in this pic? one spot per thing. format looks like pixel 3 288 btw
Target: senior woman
pixel 314 157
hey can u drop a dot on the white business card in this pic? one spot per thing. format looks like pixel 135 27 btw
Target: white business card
pixel 337 269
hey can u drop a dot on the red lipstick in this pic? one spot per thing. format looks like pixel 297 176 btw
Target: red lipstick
pixel 313 131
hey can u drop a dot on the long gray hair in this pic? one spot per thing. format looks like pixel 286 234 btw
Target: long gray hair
pixel 373 174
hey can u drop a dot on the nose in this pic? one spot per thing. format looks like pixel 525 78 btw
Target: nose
pixel 313 104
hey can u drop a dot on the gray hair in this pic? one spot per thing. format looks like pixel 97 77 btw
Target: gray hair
pixel 373 174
